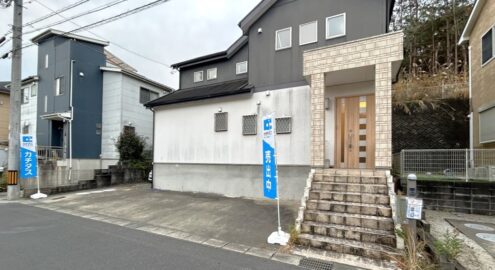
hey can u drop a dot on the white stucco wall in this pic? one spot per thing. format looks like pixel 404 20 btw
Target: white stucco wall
pixel 333 92
pixel 29 110
pixel 121 107
pixel 185 132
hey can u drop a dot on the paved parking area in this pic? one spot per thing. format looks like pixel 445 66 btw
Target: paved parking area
pixel 242 221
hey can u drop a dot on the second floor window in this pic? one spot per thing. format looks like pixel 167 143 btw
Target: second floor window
pixel 487 47
pixel 198 76
pixel 241 68
pixel 336 26
pixel 211 74
pixel 25 95
pixel 283 39
pixel 34 90
pixel 146 95
pixel 308 33
pixel 59 86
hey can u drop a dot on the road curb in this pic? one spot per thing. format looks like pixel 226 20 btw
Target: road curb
pixel 176 234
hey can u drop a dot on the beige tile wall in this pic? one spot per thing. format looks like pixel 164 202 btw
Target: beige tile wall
pixel 379 51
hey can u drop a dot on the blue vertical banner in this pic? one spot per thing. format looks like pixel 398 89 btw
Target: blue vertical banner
pixel 269 158
pixel 29 165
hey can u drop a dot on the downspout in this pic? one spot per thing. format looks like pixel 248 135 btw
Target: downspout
pixel 471 115
pixel 153 152
pixel 71 117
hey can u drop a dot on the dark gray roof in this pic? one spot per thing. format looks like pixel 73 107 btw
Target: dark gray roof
pixel 219 56
pixel 203 92
pixel 262 7
pixel 3 88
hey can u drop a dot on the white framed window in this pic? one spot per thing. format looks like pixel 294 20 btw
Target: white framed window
pixel 308 33
pixel 487 125
pixel 46 60
pixel 241 67
pixel 283 39
pixel 34 90
pixel 25 96
pixel 336 26
pixel 488 46
pixel 211 74
pixel 198 76
pixel 59 88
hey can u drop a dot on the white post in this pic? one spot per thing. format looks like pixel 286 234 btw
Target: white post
pixel 71 117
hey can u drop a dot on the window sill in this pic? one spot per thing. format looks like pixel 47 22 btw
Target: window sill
pixel 334 37
pixel 307 43
pixel 283 49
pixel 488 61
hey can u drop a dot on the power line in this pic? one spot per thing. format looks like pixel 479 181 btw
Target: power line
pixel 111 19
pixel 100 8
pixel 45 17
pixel 113 43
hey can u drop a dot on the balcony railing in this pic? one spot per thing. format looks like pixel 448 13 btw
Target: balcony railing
pixel 50 153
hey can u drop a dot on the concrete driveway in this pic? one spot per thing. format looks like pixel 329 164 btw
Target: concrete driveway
pixel 233 220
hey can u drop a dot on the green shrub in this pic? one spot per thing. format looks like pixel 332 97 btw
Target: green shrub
pixel 132 152
pixel 450 245
pixel 3 181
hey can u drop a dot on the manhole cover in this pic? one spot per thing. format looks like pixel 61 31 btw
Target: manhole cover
pixel 315 264
pixel 479 227
pixel 487 236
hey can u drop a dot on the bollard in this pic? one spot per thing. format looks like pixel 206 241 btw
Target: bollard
pixel 412 193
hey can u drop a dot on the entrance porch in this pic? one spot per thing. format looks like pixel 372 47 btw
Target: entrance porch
pixel 351 102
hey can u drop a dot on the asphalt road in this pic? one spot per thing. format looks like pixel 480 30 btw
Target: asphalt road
pixel 33 238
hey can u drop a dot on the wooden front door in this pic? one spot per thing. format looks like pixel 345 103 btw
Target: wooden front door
pixel 355 132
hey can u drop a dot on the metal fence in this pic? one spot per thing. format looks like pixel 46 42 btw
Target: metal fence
pixel 447 164
pixel 50 153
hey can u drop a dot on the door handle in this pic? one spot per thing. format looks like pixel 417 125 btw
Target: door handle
pixel 351 136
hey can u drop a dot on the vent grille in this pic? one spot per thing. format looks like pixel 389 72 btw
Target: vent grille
pixel 221 122
pixel 313 264
pixel 250 124
pixel 283 125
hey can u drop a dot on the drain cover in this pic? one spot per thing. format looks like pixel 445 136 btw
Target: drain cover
pixel 315 264
pixel 487 236
pixel 479 227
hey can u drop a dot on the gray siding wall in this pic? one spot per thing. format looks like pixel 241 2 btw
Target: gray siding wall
pixel 226 71
pixel 270 68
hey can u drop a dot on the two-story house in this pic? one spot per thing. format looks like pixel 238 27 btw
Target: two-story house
pixel 325 69
pixel 480 32
pixel 82 98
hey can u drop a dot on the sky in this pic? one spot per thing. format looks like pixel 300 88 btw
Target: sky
pixel 168 33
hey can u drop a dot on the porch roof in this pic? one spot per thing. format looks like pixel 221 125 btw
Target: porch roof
pixel 203 92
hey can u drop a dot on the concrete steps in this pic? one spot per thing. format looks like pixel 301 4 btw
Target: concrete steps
pixel 348 211
pixel 358 248
pixel 357 197
pixel 350 187
pixel 350 207
pixel 349 233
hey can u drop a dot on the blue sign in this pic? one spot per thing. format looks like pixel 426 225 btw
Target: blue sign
pixel 269 159
pixel 29 157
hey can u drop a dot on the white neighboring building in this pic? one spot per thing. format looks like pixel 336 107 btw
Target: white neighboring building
pixel 124 95
pixel 29 104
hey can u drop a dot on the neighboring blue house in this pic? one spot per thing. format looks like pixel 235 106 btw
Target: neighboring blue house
pixel 85 97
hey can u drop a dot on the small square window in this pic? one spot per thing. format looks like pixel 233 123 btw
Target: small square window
pixel 283 39
pixel 249 124
pixel 146 95
pixel 198 76
pixel 283 125
pixel 241 68
pixel 25 129
pixel 129 130
pixel 336 26
pixel 308 33
pixel 211 74
pixel 221 121
pixel 59 86
pixel 488 47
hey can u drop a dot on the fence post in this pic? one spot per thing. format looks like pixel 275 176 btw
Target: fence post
pixel 401 163
pixel 467 165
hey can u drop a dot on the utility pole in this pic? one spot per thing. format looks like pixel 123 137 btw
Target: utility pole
pixel 13 189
